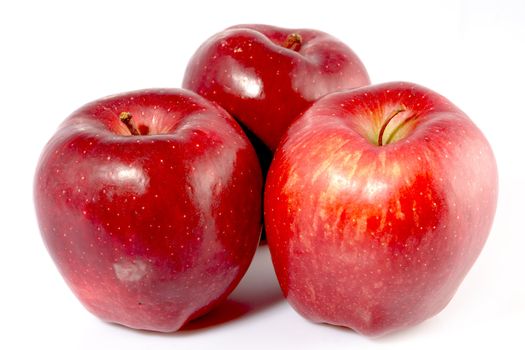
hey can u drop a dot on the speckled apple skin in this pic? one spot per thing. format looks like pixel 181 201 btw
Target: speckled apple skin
pixel 246 70
pixel 150 231
pixel 378 238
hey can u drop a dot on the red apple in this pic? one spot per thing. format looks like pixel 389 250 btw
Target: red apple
pixel 266 76
pixel 377 203
pixel 149 204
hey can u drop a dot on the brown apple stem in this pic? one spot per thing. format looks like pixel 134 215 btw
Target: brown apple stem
pixel 383 127
pixel 293 42
pixel 127 119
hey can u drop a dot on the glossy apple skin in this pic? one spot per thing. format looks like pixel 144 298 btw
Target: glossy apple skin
pixel 247 70
pixel 150 231
pixel 378 238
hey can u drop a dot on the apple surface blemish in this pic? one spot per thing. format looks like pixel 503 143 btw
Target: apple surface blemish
pixel 130 271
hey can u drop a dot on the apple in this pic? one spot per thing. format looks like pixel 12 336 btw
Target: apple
pixel 149 204
pixel 266 76
pixel 377 203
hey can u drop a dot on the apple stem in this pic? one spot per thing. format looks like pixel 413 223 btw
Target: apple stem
pixel 127 119
pixel 293 41
pixel 383 127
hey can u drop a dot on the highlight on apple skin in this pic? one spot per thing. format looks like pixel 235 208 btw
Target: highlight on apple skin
pixel 265 76
pixel 377 204
pixel 149 204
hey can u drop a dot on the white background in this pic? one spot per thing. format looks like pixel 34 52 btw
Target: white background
pixel 56 56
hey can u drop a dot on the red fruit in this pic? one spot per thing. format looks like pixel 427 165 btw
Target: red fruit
pixel 149 204
pixel 377 203
pixel 266 76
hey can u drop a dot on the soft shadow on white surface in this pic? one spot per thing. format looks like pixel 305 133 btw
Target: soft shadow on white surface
pixel 257 291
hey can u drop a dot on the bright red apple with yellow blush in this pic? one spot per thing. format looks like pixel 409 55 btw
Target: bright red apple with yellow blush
pixel 377 203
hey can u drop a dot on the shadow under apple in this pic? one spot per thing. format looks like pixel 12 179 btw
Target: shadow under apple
pixel 257 291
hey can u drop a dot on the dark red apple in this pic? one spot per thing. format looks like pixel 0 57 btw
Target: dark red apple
pixel 377 203
pixel 149 204
pixel 266 76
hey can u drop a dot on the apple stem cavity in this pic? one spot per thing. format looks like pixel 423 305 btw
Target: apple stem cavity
pixel 127 119
pixel 293 42
pixel 385 124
